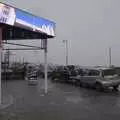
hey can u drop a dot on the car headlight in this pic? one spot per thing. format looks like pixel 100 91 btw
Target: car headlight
pixel 104 82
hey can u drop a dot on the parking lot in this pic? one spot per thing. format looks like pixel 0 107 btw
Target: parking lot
pixel 63 102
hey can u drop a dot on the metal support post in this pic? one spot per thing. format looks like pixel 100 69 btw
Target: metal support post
pixel 45 67
pixel 66 53
pixel 66 46
pixel 0 65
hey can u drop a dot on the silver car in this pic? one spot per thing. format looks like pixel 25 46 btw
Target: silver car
pixel 100 78
pixel 32 78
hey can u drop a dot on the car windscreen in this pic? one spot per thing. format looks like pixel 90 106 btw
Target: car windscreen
pixel 93 73
pixel 109 72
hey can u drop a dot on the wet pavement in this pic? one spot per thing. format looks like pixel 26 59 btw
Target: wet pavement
pixel 63 102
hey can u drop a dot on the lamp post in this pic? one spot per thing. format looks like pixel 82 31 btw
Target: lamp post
pixel 110 57
pixel 66 44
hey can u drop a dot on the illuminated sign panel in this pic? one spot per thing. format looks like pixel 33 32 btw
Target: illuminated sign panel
pixel 13 16
pixel 34 22
pixel 7 14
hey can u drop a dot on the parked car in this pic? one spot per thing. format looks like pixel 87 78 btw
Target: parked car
pixel 32 78
pixel 100 78
pixel 60 74
pixel 73 75
pixel 32 81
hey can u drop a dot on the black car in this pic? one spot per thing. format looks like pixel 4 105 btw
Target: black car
pixel 60 74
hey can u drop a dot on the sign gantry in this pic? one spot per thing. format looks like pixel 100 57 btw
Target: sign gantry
pixel 16 24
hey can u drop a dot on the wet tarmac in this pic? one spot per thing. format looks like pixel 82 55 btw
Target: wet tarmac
pixel 63 102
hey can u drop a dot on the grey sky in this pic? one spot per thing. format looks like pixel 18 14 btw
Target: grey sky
pixel 90 26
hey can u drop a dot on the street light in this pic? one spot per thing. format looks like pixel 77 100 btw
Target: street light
pixel 110 57
pixel 66 44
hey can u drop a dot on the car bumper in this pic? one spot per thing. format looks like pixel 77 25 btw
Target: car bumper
pixel 32 82
pixel 111 83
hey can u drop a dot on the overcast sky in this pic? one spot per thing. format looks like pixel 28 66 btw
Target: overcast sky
pixel 90 26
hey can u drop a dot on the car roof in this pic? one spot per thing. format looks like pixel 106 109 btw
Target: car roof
pixel 99 68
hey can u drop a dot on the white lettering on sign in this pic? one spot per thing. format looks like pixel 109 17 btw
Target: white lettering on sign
pixel 45 29
pixel 7 14
pixel 48 29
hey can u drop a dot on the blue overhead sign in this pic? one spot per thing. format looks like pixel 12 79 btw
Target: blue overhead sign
pixel 13 16
pixel 34 22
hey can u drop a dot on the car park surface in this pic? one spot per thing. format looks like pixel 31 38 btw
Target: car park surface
pixel 63 102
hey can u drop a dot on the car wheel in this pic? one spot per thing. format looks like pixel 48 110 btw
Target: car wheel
pixel 81 84
pixel 116 87
pixel 98 87
pixel 77 83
